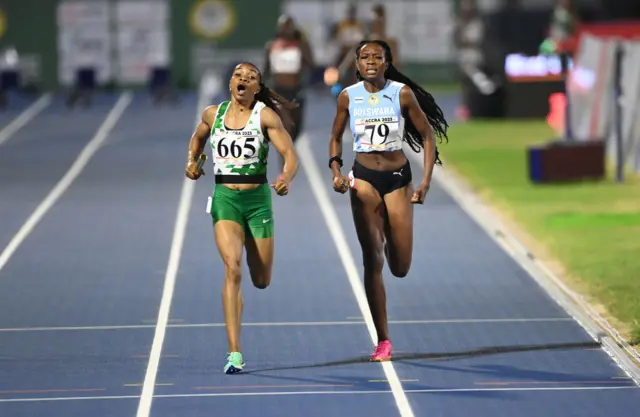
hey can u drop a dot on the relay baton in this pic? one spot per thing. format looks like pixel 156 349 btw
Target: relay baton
pixel 201 160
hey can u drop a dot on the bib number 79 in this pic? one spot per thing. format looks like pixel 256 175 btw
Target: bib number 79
pixel 378 134
pixel 236 148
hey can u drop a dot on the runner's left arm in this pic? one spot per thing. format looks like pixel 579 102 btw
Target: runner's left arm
pixel 281 140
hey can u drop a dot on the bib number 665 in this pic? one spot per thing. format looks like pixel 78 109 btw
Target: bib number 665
pixel 237 148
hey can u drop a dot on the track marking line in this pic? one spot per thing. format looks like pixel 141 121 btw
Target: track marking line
pixel 511 383
pixel 25 117
pixel 179 234
pixel 75 328
pixel 51 390
pixel 384 380
pixel 148 321
pixel 327 392
pixel 65 182
pixel 161 356
pixel 276 324
pixel 226 387
pixel 319 188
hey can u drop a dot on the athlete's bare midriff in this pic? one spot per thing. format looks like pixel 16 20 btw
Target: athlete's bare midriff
pixel 242 187
pixel 382 161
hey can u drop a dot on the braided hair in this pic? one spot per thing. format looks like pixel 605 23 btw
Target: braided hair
pixel 425 100
pixel 274 101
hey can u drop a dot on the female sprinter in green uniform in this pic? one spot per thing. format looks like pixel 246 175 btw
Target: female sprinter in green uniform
pixel 240 132
pixel 385 108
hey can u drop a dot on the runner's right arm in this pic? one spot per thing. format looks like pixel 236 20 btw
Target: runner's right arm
pixel 198 140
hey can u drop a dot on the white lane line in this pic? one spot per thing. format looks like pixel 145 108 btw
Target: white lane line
pixel 179 232
pixel 335 392
pixel 319 188
pixel 65 182
pixel 25 117
pixel 276 324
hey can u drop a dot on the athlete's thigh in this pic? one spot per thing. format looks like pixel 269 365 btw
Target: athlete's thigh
pixel 229 229
pixel 368 210
pixel 230 238
pixel 259 236
pixel 399 229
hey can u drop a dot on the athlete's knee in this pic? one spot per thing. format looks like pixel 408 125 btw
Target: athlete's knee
pixel 399 263
pixel 400 270
pixel 261 280
pixel 373 260
pixel 261 285
pixel 260 274
pixel 232 269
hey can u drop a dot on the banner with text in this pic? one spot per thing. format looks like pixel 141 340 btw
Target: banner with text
pixel 84 39
pixel 142 38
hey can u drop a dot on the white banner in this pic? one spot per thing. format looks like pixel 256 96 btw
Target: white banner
pixel 143 38
pixel 630 103
pixel 122 40
pixel 593 107
pixel 84 39
pixel 421 28
pixel 590 89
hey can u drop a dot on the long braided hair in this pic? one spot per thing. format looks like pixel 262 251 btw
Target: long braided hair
pixel 425 100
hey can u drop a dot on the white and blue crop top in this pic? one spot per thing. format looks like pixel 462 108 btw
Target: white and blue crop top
pixel 376 120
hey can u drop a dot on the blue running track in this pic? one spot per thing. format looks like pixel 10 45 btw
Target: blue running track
pixel 80 295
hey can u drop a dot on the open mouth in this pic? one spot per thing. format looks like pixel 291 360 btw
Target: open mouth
pixel 372 71
pixel 241 89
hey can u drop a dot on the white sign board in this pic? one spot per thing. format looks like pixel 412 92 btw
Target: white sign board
pixel 84 39
pixel 423 29
pixel 142 38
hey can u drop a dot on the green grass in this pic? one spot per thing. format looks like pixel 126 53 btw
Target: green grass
pixel 591 228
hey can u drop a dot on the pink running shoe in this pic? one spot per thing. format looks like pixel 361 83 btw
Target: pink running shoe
pixel 382 352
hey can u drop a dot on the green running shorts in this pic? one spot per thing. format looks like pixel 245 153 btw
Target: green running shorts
pixel 250 208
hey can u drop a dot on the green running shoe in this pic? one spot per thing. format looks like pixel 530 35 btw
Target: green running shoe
pixel 235 363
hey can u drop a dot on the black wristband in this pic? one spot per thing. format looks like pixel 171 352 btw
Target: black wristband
pixel 336 159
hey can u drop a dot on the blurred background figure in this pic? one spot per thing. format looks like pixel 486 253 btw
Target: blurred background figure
pixel 564 21
pixel 469 36
pixel 10 68
pixel 563 25
pixel 347 34
pixel 378 30
pixel 289 60
pixel 343 73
